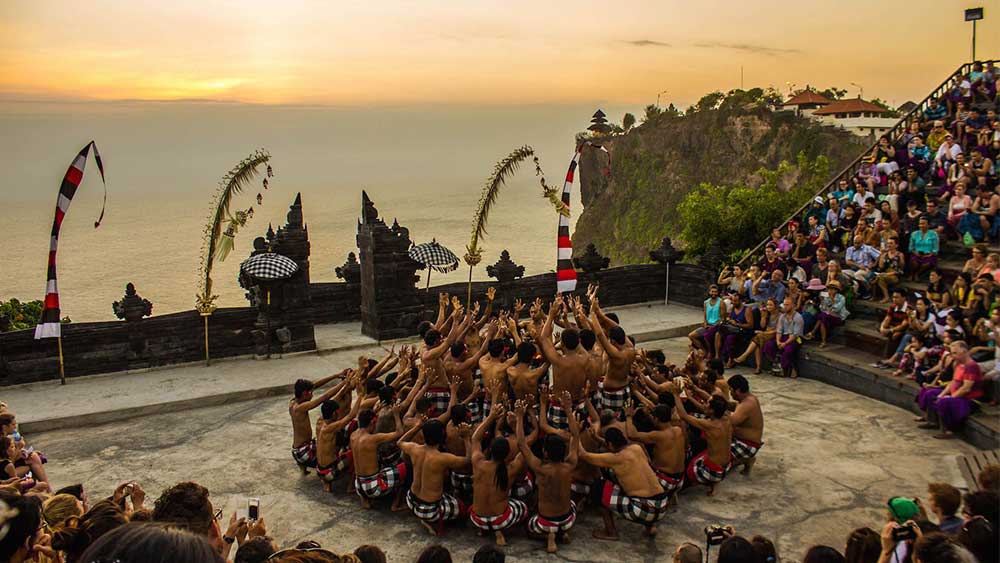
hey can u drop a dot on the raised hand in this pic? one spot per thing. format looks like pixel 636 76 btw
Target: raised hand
pixel 491 293
pixel 518 307
pixel 442 299
pixel 566 400
pixel 456 303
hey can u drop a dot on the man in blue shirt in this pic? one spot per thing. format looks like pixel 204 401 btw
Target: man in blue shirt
pixel 933 111
pixel 844 194
pixel 772 287
pixel 859 261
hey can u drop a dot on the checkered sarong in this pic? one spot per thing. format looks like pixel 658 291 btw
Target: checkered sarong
pixel 541 525
pixel 382 483
pixel 524 486
pixel 337 469
pixel 305 454
pixel 702 470
pixel 440 398
pixel 613 399
pixel 669 481
pixel 446 508
pixel 461 483
pixel 515 513
pixel 558 418
pixel 644 510
pixel 743 450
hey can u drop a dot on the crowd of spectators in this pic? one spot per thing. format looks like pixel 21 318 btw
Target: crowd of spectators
pixel 880 235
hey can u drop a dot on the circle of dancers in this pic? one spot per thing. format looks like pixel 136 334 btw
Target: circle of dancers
pixel 500 421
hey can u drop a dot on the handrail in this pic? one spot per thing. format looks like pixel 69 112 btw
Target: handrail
pixel 893 133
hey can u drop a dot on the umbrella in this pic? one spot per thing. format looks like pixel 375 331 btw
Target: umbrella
pixel 269 266
pixel 435 257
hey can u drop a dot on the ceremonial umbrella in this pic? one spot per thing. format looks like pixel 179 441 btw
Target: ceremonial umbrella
pixel 269 266
pixel 435 257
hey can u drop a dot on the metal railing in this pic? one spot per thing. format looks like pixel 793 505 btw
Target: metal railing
pixel 894 133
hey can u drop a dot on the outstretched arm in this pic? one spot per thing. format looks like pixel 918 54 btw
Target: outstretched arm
pixel 545 337
pixel 324 380
pixel 612 349
pixel 529 457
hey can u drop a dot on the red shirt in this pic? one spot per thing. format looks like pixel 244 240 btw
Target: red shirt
pixel 967 372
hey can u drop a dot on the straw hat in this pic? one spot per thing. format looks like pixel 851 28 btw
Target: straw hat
pixel 815 285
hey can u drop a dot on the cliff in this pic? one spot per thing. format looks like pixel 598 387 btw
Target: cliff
pixel 658 162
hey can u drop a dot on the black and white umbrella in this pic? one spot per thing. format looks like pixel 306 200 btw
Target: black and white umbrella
pixel 435 257
pixel 269 266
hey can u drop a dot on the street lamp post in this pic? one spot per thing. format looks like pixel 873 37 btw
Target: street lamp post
pixel 973 15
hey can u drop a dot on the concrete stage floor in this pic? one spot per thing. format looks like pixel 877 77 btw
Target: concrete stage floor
pixel 830 462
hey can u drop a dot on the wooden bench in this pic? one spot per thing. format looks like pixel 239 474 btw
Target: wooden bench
pixel 970 466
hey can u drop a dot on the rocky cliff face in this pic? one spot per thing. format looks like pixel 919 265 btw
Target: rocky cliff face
pixel 657 163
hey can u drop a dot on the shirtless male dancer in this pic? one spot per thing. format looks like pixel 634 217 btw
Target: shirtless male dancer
pixel 522 377
pixel 493 370
pixel 709 467
pixel 621 354
pixel 431 354
pixel 569 367
pixel 303 444
pixel 370 480
pixel 332 464
pixel 748 424
pixel 459 364
pixel 556 510
pixel 668 444
pixel 637 496
pixel 426 497
pixel 492 508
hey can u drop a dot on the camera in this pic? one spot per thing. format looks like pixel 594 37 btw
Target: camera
pixel 253 509
pixel 715 534
pixel 904 532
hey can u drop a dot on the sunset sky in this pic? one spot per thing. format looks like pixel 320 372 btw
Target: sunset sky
pixel 476 52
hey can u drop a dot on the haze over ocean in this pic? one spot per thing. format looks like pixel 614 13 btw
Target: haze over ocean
pixel 423 164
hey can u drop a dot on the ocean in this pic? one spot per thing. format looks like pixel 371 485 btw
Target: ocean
pixel 425 165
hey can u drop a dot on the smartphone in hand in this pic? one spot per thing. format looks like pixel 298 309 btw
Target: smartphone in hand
pixel 253 509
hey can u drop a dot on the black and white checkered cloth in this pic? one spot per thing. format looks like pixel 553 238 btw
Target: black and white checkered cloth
pixel 434 256
pixel 269 266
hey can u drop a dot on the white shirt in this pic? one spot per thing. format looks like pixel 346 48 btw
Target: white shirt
pixel 954 151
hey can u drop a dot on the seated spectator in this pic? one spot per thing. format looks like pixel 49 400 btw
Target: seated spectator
pixel 488 554
pixel 736 330
pixel 861 193
pixel 944 501
pixel 796 293
pixel 961 114
pixel 947 409
pixel 687 553
pixel 796 272
pixel 974 265
pixel 936 217
pixel 868 173
pixel 861 260
pixel 786 342
pixel 735 549
pixel 823 554
pixel 843 192
pixel 978 222
pixel 832 313
pixel 956 174
pixel 924 248
pixel 885 156
pixel 817 231
pixel 978 536
pixel 771 261
pixel 822 265
pixel 982 504
pixel 870 214
pixel 21 516
pixel 917 186
pixel 779 244
pixel 803 252
pixel 932 548
pixel 768 323
pixel 863 546
pixel 936 136
pixel 979 166
pixel 150 543
pixel 919 155
pixel 76 535
pixel 713 312
pixel 733 279
pixel 894 324
pixel 908 222
pixel 58 508
pixel 28 460
pixel 768 286
pixel 974 123
pixel 883 233
pixel 890 215
pixel 187 506
pixel 816 210
pixel 373 554
pixel 963 295
pixel 958 204
pixel 889 269
pixel 434 554
pixel 947 155
pixel 764 550
pixel 934 111
pixel 254 550
pixel 938 293
pixel 992 266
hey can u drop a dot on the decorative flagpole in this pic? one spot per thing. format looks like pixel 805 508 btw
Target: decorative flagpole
pixel 50 323
pixel 62 367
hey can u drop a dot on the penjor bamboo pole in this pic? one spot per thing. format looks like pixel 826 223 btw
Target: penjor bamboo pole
pixel 208 360
pixel 468 297
pixel 62 367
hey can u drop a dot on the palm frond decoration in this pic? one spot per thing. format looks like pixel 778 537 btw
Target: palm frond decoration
pixel 217 244
pixel 553 195
pixel 501 172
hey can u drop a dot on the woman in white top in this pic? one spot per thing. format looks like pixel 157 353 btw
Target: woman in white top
pixel 959 203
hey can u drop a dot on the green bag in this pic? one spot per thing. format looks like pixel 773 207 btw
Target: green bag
pixel 968 241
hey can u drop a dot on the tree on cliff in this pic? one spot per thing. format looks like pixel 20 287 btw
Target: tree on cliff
pixel 738 217
pixel 628 120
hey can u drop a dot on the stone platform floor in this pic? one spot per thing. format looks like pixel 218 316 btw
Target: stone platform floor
pixel 831 460
pixel 122 395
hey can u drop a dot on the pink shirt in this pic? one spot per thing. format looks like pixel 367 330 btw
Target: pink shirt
pixel 967 372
